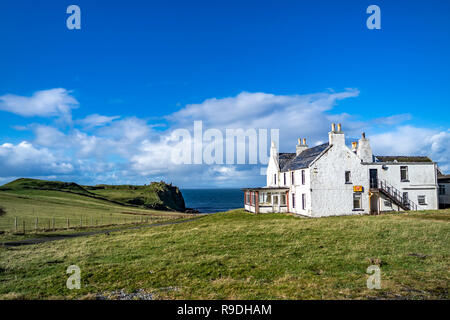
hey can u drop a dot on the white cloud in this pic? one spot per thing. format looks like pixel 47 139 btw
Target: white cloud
pixel 107 149
pixel 410 140
pixel 96 120
pixel 45 103
pixel 295 116
pixel 24 159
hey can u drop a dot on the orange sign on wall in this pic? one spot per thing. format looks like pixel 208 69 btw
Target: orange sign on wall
pixel 357 189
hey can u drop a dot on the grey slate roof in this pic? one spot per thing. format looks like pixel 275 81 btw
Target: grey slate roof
pixel 284 158
pixel 403 159
pixel 289 161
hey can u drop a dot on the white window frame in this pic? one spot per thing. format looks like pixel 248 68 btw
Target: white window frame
pixel 422 199
pixel 406 173
pixel 357 195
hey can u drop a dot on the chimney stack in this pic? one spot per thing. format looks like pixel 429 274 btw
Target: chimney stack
pixel 336 137
pixel 301 146
pixel 364 151
pixel 354 146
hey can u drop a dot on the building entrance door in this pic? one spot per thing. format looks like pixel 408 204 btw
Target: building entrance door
pixel 275 202
pixel 374 202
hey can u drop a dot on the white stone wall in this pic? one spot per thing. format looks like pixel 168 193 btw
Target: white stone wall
pixel 298 189
pixel 330 194
pixel 272 168
pixel 422 181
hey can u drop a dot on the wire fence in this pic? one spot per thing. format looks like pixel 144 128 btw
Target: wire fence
pixel 22 225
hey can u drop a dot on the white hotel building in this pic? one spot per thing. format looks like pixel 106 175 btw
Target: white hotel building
pixel 334 179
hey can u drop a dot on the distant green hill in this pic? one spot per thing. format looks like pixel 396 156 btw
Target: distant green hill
pixel 25 183
pixel 157 195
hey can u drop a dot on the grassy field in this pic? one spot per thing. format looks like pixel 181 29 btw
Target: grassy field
pixel 237 255
pixel 53 208
pixel 156 195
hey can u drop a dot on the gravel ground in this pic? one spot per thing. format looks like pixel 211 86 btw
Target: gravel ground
pixel 122 295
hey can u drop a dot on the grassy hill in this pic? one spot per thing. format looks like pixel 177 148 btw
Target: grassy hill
pixel 35 184
pixel 53 202
pixel 237 255
pixel 157 195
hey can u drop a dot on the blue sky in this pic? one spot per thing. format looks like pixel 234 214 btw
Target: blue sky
pixel 135 64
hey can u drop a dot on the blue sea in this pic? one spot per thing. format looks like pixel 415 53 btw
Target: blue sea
pixel 213 200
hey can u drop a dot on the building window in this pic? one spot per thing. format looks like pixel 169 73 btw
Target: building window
pixel 348 178
pixel 357 201
pixel 388 203
pixel 284 178
pixel 275 199
pixel 405 197
pixel 275 178
pixel 293 200
pixel 441 189
pixel 303 176
pixel 247 197
pixel 421 199
pixel 292 178
pixel 283 200
pixel 253 198
pixel 269 198
pixel 304 201
pixel 404 173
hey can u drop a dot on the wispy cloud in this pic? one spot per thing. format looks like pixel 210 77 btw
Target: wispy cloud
pixel 46 103
pixel 96 120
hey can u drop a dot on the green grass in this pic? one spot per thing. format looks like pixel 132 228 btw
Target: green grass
pixel 47 205
pixel 156 195
pixel 237 255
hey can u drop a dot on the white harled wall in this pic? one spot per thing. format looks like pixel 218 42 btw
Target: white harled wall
pixel 422 181
pixel 330 194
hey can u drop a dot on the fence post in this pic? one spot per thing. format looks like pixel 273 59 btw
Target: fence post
pixel 81 222
pixel 53 224
pixel 36 223
pixel 23 223
pixel 15 224
pixel 68 223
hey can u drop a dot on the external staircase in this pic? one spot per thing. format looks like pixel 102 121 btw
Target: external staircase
pixel 393 194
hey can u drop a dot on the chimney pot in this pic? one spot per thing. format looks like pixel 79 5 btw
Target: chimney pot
pixel 333 127
pixel 299 141
pixel 304 141
pixel 339 127
pixel 363 135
